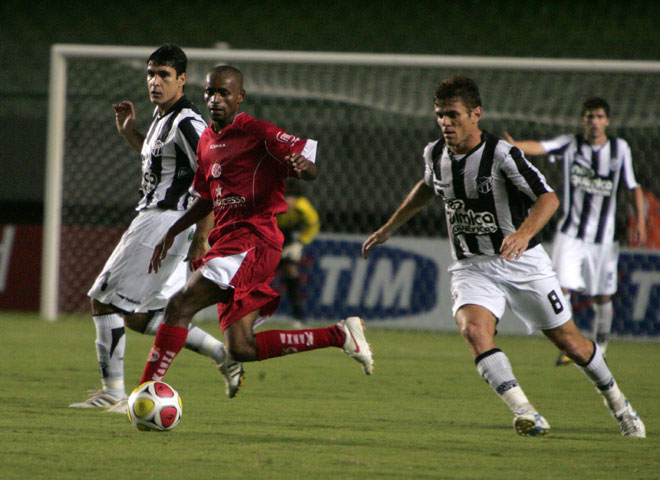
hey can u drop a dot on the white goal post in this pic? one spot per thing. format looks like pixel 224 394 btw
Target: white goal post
pixel 376 94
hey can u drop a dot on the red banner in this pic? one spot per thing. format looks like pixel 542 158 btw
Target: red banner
pixel 20 267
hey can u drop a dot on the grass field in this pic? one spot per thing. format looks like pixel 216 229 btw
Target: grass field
pixel 424 414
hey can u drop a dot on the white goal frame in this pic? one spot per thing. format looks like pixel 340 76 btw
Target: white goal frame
pixel 57 110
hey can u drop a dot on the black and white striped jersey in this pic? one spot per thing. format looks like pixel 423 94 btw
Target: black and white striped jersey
pixel 169 157
pixel 591 180
pixel 487 193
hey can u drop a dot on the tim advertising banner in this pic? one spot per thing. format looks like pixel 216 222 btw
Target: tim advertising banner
pixel 405 284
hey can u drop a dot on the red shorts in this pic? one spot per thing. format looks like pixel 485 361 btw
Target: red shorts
pixel 246 263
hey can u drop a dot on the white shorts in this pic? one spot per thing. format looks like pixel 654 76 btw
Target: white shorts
pixel 125 282
pixel 590 268
pixel 528 286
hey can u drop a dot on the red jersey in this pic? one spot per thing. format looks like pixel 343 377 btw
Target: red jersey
pixel 242 170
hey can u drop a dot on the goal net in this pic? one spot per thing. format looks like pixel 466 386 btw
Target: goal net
pixel 372 116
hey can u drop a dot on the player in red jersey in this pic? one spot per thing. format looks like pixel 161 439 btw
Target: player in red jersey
pixel 242 167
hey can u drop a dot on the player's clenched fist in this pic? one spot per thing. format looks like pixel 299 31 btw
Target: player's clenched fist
pixel 124 116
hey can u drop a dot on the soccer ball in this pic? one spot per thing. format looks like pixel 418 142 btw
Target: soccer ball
pixel 154 406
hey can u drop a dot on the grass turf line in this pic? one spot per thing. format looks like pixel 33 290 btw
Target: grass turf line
pixel 425 413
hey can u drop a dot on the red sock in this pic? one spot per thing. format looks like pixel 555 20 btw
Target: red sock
pixel 275 343
pixel 169 341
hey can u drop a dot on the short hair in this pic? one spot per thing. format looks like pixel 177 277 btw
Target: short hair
pixel 460 88
pixel 170 55
pixel 595 103
pixel 229 71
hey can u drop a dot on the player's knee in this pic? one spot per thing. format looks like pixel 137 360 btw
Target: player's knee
pixel 177 311
pixel 243 351
pixel 137 322
pixel 473 333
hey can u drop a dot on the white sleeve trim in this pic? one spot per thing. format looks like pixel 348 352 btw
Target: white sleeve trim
pixel 309 152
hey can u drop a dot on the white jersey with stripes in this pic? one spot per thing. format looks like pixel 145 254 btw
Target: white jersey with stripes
pixel 169 158
pixel 592 176
pixel 487 193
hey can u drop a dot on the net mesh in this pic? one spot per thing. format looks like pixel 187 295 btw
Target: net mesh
pixel 372 123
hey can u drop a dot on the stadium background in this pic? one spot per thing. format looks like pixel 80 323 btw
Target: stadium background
pixel 527 29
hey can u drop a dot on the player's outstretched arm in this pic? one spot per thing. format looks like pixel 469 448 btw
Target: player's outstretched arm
pixel 200 209
pixel 514 245
pixel 304 168
pixel 639 233
pixel 414 202
pixel 125 121
pixel 529 147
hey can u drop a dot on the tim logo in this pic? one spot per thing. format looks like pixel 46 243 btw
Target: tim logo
pixel 392 282
pixel 216 170
pixel 284 137
pixel 484 184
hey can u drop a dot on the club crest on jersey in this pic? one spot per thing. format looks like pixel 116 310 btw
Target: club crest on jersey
pixel 216 170
pixel 284 137
pixel 484 184
pixel 157 149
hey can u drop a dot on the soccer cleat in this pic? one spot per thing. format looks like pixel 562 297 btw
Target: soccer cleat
pixel 233 374
pixel 120 407
pixel 629 422
pixel 562 360
pixel 99 398
pixel 531 424
pixel 355 345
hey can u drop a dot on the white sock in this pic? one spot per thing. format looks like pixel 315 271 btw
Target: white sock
pixel 110 348
pixel 201 342
pixel 198 340
pixel 495 368
pixel 600 375
pixel 604 312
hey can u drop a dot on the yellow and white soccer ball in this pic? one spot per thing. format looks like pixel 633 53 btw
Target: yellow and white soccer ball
pixel 154 406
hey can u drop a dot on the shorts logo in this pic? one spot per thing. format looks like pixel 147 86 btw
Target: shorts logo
pixel 216 170
pixel 284 137
pixel 484 184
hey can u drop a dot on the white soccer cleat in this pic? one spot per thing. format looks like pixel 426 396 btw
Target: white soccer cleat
pixel 120 407
pixel 531 424
pixel 629 422
pixel 99 398
pixel 233 374
pixel 355 345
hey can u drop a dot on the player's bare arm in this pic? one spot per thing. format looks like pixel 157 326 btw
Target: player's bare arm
pixel 639 234
pixel 414 202
pixel 125 121
pixel 302 166
pixel 515 244
pixel 529 147
pixel 200 245
pixel 199 210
